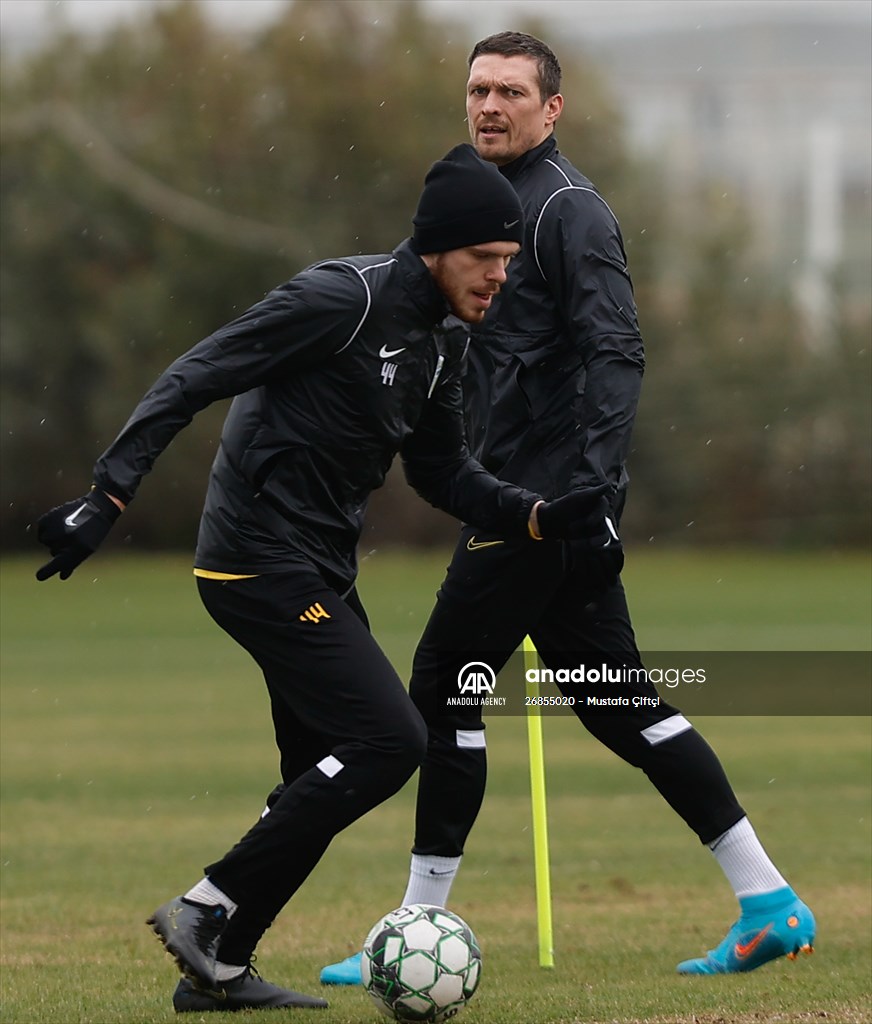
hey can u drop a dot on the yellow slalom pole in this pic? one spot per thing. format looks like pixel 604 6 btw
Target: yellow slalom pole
pixel 540 813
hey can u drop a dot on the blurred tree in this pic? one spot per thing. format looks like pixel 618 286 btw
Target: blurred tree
pixel 745 434
pixel 160 180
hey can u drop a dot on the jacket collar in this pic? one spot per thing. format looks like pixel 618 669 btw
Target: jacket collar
pixel 419 283
pixel 529 159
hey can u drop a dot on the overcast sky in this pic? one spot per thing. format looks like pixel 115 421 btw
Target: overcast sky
pixel 25 22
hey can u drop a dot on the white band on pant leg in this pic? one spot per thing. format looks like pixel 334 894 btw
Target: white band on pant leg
pixel 470 738
pixel 330 766
pixel 666 730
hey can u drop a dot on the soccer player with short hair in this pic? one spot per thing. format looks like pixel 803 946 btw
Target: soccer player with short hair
pixel 550 398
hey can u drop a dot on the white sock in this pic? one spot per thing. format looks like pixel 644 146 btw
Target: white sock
pixel 210 896
pixel 744 861
pixel 227 972
pixel 430 880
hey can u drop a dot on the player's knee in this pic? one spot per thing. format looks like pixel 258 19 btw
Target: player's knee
pixel 639 740
pixel 408 743
pixel 621 735
pixel 416 741
pixel 424 693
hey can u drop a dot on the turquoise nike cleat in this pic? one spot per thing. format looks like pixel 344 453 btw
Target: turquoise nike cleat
pixel 772 925
pixel 346 972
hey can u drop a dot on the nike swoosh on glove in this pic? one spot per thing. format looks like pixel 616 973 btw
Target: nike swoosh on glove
pixel 75 530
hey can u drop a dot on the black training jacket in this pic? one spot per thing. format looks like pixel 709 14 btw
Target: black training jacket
pixel 334 372
pixel 556 366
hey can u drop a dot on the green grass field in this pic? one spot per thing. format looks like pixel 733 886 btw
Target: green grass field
pixel 136 747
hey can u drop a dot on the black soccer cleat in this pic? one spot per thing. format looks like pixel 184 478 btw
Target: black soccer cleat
pixel 247 992
pixel 190 933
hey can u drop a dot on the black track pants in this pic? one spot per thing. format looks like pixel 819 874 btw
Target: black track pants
pixel 494 594
pixel 347 733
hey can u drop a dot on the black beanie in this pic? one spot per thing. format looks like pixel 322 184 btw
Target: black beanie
pixel 466 201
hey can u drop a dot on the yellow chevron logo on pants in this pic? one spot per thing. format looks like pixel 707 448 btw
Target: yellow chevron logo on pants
pixel 314 613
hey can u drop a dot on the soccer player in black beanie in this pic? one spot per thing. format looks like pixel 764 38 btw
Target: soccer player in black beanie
pixel 351 362
pixel 465 200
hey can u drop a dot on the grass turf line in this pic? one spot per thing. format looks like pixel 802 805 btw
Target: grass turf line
pixel 136 747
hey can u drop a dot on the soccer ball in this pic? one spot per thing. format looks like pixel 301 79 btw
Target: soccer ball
pixel 420 963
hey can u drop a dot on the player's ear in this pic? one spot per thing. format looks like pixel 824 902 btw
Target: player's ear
pixel 553 108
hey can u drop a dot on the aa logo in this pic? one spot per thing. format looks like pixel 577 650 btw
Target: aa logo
pixel 476 677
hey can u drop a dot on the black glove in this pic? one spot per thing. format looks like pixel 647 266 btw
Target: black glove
pixel 598 568
pixel 75 530
pixel 585 513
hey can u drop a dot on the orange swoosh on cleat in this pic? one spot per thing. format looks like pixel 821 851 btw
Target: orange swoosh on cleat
pixel 745 949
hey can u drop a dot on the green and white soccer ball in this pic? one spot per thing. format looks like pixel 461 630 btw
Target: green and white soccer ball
pixel 421 964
